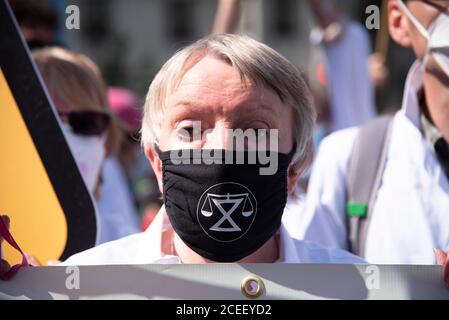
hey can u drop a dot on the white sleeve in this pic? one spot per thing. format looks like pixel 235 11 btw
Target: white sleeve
pixel 325 213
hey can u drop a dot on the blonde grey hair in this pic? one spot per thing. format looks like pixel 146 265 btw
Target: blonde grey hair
pixel 255 62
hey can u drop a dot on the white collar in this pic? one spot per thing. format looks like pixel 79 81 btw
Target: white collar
pixel 152 244
pixel 153 239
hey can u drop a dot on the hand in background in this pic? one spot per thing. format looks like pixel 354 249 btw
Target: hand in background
pixel 443 260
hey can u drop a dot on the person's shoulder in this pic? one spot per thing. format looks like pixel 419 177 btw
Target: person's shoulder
pixel 311 252
pixel 330 166
pixel 343 138
pixel 121 251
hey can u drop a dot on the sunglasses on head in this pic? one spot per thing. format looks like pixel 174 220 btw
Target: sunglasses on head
pixel 88 123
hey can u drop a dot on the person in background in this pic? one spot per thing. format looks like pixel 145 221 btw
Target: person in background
pixel 38 22
pixel 141 178
pixel 341 85
pixel 405 216
pixel 227 16
pixel 77 89
pixel 347 53
pixel 117 203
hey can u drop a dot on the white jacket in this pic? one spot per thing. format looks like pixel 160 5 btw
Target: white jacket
pixel 411 213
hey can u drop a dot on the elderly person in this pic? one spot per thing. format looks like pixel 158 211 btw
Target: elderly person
pixel 215 210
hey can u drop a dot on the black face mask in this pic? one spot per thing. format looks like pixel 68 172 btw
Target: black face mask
pixel 223 212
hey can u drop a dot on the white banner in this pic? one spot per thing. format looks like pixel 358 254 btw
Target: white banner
pixel 224 282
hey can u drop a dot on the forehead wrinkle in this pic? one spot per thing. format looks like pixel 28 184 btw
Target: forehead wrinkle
pixel 229 74
pixel 224 92
pixel 236 94
pixel 197 93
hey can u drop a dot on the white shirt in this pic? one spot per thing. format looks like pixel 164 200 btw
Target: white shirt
pixel 411 213
pixel 145 248
pixel 118 214
pixel 293 215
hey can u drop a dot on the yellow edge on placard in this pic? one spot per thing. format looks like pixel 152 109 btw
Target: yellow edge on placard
pixel 27 196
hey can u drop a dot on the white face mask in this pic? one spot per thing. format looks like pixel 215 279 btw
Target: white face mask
pixel 89 153
pixel 437 37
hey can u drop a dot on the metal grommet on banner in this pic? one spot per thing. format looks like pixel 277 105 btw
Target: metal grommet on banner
pixel 252 287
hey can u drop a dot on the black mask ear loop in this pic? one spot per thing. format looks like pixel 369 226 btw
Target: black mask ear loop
pixel 291 154
pixel 156 148
pixel 163 155
pixel 289 159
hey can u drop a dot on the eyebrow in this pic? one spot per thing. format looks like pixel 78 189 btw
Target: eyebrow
pixel 258 107
pixel 191 105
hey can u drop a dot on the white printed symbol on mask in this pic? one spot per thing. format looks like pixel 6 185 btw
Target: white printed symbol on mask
pixel 226 211
pixel 220 201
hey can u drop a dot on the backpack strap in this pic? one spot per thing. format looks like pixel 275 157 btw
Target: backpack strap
pixel 366 167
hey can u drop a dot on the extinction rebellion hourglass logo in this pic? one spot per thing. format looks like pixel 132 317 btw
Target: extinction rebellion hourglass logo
pixel 226 211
